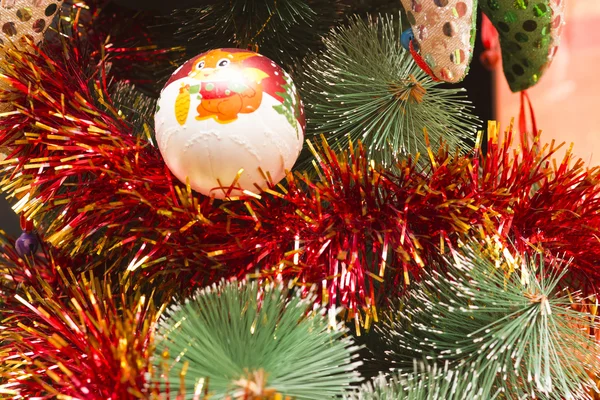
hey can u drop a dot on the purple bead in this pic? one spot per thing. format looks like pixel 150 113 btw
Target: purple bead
pixel 27 244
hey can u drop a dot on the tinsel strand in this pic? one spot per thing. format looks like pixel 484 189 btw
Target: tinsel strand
pixel 97 187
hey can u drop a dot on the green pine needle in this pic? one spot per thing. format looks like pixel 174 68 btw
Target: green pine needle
pixel 134 107
pixel 426 383
pixel 515 332
pixel 223 336
pixel 366 86
pixel 283 30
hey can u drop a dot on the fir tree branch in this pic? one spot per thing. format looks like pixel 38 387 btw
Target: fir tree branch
pixel 134 107
pixel 365 86
pixel 239 333
pixel 425 383
pixel 505 322
pixel 283 30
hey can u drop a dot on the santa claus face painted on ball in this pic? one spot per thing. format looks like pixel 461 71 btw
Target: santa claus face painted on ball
pixel 226 111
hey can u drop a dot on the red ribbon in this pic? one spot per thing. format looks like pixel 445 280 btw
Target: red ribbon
pixel 421 63
pixel 523 120
pixel 491 43
pixel 489 34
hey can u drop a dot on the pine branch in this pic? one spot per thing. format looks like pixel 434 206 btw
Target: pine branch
pixel 366 87
pixel 237 336
pixel 283 30
pixel 365 7
pixel 135 107
pixel 504 321
pixel 425 383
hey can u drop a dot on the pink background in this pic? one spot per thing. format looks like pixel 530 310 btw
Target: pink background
pixel 567 99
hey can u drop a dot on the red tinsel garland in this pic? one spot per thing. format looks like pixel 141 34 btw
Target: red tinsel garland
pixel 68 337
pixel 129 45
pixel 358 231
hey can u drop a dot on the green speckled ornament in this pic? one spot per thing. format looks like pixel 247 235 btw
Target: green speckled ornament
pixel 529 35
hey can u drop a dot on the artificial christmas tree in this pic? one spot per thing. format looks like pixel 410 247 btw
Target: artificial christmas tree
pixel 396 260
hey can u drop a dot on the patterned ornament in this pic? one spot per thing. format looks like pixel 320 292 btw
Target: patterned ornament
pixel 444 33
pixel 229 119
pixel 20 19
pixel 530 32
pixel 26 18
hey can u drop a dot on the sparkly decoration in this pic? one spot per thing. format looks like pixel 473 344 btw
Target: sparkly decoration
pixel 230 121
pixel 358 230
pixel 67 336
pixel 25 18
pixel 527 36
pixel 450 30
pixel 253 342
pixel 528 45
pixel 22 20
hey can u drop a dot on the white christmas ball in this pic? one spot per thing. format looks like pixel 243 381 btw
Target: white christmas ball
pixel 225 111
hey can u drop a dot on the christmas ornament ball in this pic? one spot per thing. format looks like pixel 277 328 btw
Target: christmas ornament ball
pixel 225 111
pixel 26 244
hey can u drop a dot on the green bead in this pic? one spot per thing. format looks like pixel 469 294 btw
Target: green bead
pixel 540 9
pixel 521 4
pixel 510 17
pixel 546 29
